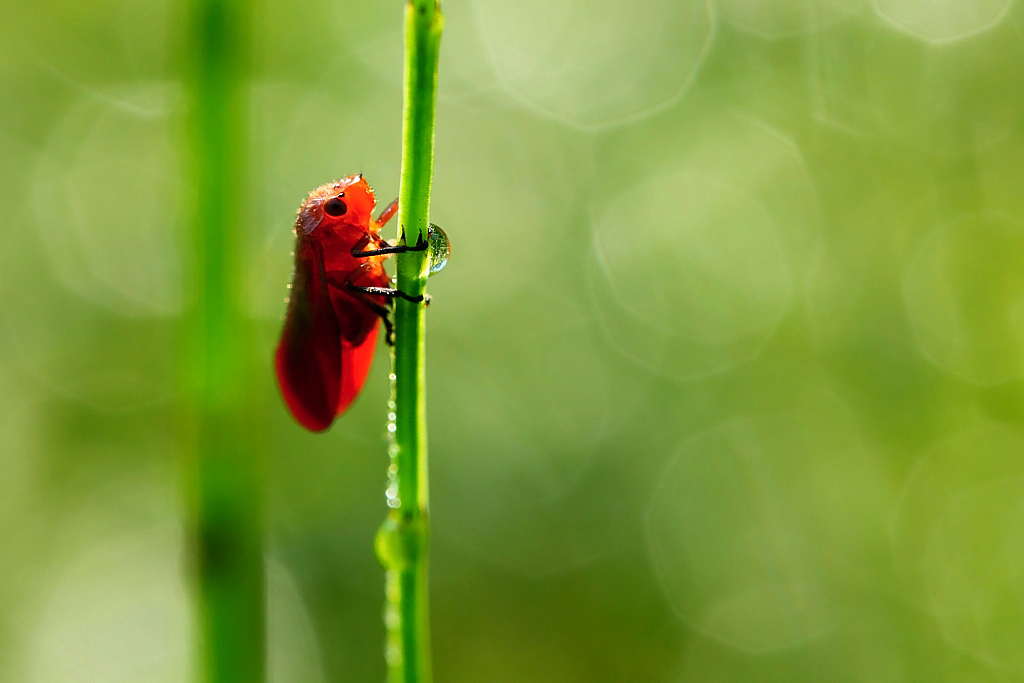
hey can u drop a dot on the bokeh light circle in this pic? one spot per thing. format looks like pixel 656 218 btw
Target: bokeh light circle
pixel 964 297
pixel 752 519
pixel 956 541
pixel 106 200
pixel 119 613
pixel 940 21
pixel 782 19
pixel 596 63
pixel 951 98
pixel 690 274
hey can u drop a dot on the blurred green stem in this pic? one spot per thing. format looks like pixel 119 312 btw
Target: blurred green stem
pixel 406 532
pixel 223 464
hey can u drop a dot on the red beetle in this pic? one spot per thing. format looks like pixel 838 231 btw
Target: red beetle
pixel 339 292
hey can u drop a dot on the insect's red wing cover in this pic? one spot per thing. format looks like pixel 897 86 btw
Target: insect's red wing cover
pixel 308 358
pixel 355 366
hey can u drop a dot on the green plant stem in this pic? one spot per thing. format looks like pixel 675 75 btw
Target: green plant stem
pixel 223 466
pixel 408 622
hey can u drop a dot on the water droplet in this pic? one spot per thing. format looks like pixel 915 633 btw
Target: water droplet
pixel 391 417
pixel 392 588
pixel 398 542
pixel 392 377
pixel 390 544
pixel 391 427
pixel 392 618
pixel 439 248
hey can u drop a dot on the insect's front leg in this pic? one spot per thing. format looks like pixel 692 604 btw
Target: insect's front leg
pixel 359 249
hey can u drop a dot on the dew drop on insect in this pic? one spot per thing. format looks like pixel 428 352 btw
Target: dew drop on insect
pixel 439 248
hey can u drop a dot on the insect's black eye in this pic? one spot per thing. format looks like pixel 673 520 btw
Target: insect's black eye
pixel 335 207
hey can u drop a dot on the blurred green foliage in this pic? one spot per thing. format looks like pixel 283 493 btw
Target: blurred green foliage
pixel 725 372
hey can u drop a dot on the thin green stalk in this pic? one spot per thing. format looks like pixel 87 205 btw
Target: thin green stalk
pixel 405 536
pixel 223 465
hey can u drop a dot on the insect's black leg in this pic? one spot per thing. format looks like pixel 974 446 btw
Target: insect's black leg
pixel 389 292
pixel 421 245
pixel 364 294
pixel 389 328
pixel 384 313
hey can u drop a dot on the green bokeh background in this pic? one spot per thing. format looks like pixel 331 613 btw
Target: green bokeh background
pixel 725 373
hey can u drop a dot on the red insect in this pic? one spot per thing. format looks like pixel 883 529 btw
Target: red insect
pixel 340 291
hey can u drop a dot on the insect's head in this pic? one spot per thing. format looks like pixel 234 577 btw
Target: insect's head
pixel 349 200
